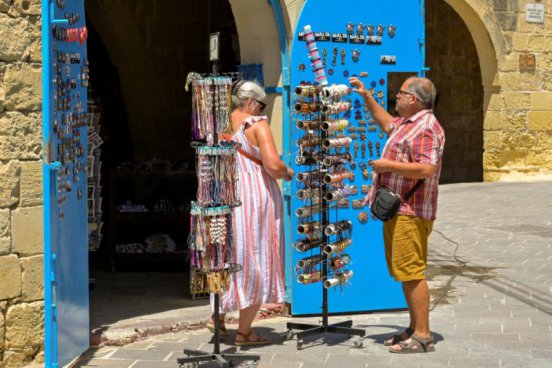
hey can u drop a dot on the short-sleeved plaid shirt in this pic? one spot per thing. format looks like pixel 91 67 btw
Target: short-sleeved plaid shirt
pixel 418 139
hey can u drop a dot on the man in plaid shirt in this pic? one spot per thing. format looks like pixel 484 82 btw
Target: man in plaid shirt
pixel 414 150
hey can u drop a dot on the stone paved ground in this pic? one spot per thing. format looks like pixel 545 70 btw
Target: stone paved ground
pixel 497 311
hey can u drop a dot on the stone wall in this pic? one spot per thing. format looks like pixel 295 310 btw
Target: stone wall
pixel 518 121
pixel 21 229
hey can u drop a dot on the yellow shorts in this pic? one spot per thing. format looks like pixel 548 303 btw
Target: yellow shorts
pixel 406 246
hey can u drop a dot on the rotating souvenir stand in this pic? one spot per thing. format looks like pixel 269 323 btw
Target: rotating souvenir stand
pixel 210 238
pixel 324 150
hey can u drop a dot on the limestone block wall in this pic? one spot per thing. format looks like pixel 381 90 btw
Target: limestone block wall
pixel 518 120
pixel 21 224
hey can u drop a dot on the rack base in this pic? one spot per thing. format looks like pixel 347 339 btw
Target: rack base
pixel 344 327
pixel 225 360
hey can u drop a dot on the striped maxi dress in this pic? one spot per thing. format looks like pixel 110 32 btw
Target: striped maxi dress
pixel 258 229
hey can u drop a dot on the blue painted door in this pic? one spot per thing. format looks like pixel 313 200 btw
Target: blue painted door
pixel 398 46
pixel 65 80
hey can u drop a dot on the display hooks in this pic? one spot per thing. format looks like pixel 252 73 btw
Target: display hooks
pixel 323 148
pixel 210 238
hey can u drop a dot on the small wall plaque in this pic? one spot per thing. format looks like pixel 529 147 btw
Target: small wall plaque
pixel 527 63
pixel 534 13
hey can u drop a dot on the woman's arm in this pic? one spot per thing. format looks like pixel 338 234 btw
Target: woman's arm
pixel 269 155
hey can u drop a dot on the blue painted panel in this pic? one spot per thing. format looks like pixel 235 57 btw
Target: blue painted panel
pixel 371 288
pixel 65 184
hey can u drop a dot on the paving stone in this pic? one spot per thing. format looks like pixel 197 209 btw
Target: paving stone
pixel 107 363
pixel 138 354
pixel 338 360
pixel 167 346
pixel 474 362
pixel 542 354
pixel 538 363
pixel 307 358
pixel 150 364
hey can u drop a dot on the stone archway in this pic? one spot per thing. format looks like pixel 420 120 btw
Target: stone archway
pixel 488 38
pixel 463 62
pixel 259 44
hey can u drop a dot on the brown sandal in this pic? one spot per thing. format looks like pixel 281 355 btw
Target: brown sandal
pixel 248 342
pixel 222 328
pixel 416 344
pixel 395 339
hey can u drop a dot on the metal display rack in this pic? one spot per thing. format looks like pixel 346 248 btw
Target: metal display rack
pixel 324 151
pixel 194 357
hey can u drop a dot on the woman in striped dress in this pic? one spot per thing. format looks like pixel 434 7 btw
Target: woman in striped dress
pixel 258 222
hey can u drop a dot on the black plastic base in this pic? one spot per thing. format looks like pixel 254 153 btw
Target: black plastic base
pixel 343 327
pixel 225 360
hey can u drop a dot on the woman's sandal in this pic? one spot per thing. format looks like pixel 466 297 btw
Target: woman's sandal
pixel 416 344
pixel 248 342
pixel 395 339
pixel 222 329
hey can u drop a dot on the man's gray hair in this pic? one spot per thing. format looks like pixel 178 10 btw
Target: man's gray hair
pixel 247 90
pixel 424 90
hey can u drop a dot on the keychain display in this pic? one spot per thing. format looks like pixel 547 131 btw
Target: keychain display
pixel 211 104
pixel 217 175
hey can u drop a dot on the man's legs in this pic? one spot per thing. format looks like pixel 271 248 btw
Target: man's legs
pixel 416 293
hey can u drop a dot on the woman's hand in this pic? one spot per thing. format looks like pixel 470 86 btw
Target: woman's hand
pixel 289 175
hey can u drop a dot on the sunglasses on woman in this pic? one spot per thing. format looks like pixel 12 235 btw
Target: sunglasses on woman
pixel 262 105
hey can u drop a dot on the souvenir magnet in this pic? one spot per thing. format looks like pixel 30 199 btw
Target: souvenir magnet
pixel 343 203
pixel 365 189
pixel 357 203
pixel 388 59
pixel 343 54
pixel 356 55
pixel 378 146
pixel 363 74
pixel 391 30
pixel 363 217
pixel 380 30
pixel 360 29
pixel 370 30
pixel 350 28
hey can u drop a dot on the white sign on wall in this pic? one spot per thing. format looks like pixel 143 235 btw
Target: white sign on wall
pixel 534 13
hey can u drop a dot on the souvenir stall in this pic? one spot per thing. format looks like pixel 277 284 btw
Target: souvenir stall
pixel 333 243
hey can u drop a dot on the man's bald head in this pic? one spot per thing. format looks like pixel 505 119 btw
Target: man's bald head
pixel 424 90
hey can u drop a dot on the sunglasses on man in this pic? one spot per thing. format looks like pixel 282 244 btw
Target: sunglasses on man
pixel 402 92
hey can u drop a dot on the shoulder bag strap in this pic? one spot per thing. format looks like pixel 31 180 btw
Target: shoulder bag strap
pixel 413 189
pixel 242 152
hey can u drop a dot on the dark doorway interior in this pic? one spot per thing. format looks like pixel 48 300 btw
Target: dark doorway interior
pixel 144 179
pixel 454 68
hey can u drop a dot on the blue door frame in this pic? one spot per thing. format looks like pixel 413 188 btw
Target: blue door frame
pixel 66 312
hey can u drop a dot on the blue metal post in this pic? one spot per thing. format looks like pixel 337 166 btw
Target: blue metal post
pixel 424 68
pixel 49 345
pixel 286 132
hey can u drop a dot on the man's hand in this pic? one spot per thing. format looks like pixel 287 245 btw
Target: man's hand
pixel 358 86
pixel 380 166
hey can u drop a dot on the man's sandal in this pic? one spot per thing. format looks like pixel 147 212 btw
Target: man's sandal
pixel 416 344
pixel 222 329
pixel 248 342
pixel 395 339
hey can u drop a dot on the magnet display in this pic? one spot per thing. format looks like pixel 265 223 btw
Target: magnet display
pixel 365 39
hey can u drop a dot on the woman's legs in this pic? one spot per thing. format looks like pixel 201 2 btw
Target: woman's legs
pixel 247 315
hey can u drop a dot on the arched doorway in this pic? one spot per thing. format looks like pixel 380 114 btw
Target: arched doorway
pixel 454 68
pixel 140 54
